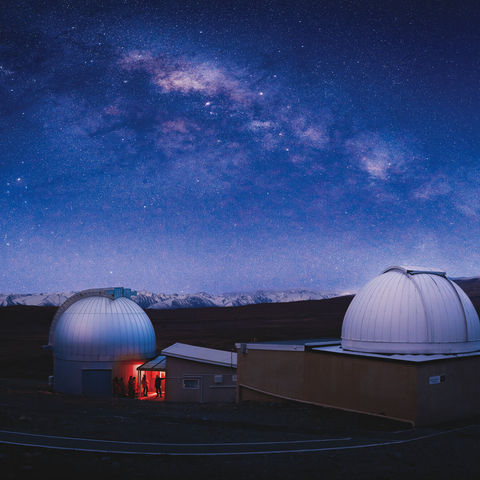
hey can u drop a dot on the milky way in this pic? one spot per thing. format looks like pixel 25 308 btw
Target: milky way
pixel 224 146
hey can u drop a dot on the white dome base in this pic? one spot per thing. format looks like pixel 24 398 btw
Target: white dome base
pixel 410 348
pixel 68 376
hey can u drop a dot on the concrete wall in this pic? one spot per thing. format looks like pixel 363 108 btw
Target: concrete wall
pixel 393 389
pixel 67 374
pixel 208 390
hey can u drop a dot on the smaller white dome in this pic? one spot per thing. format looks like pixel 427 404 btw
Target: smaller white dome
pixel 411 310
pixel 98 328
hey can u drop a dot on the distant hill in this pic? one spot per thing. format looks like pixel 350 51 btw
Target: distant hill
pixel 471 286
pixel 24 329
pixel 173 301
pixel 163 301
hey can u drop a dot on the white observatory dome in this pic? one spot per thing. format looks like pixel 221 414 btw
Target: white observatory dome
pixel 97 328
pixel 409 310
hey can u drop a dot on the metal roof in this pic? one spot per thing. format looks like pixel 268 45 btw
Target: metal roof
pixel 416 270
pixel 107 292
pixel 201 354
pixel 99 328
pixel 414 358
pixel 303 341
pixel 289 345
pixel 156 364
pixel 410 310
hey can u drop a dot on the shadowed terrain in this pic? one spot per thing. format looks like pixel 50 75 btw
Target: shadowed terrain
pixel 28 406
pixel 24 329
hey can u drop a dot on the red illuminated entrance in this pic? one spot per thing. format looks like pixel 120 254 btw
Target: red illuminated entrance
pixel 147 381
pixel 151 379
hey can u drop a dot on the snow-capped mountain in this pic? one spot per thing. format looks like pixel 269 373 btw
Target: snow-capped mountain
pixel 176 300
pixel 230 299
pixel 34 299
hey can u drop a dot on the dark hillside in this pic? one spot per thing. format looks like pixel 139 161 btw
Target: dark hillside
pixel 222 327
pixel 24 329
pixel 471 286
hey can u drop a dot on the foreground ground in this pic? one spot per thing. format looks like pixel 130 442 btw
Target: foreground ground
pixel 443 451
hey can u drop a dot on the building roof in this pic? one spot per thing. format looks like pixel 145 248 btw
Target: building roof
pixel 201 354
pixel 289 345
pixel 107 292
pixel 97 328
pixel 411 310
pixel 156 364
pixel 416 270
pixel 413 358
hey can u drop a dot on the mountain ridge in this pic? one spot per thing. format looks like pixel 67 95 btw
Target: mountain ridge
pixel 172 301
pixel 160 301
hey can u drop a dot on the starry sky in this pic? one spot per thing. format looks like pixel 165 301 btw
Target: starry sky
pixel 185 146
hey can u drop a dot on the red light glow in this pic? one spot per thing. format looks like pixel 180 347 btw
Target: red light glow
pixel 151 393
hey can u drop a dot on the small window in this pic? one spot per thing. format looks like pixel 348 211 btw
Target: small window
pixel 218 378
pixel 191 383
pixel 234 378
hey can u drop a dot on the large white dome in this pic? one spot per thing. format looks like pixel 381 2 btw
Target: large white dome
pixel 97 328
pixel 411 310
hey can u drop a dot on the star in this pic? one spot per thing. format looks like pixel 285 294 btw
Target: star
pixel 243 183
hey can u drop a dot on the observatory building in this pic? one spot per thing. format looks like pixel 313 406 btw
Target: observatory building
pixel 409 310
pixel 410 350
pixel 97 335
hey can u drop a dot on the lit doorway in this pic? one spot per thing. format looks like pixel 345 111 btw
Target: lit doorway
pixel 151 379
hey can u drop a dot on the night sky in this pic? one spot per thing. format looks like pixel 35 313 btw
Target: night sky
pixel 220 146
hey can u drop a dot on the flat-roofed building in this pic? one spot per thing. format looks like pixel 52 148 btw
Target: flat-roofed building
pixel 199 374
pixel 410 350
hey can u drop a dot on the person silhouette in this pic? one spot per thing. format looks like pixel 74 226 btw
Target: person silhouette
pixel 116 387
pixel 158 386
pixel 144 386
pixel 131 389
pixel 121 387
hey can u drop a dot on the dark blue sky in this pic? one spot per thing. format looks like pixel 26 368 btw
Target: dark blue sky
pixel 223 146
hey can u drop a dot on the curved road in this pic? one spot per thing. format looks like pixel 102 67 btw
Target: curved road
pixel 212 449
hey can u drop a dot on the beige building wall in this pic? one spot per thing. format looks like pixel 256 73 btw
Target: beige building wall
pixel 389 388
pixel 211 383
pixel 278 372
pixel 384 388
pixel 340 381
pixel 457 396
